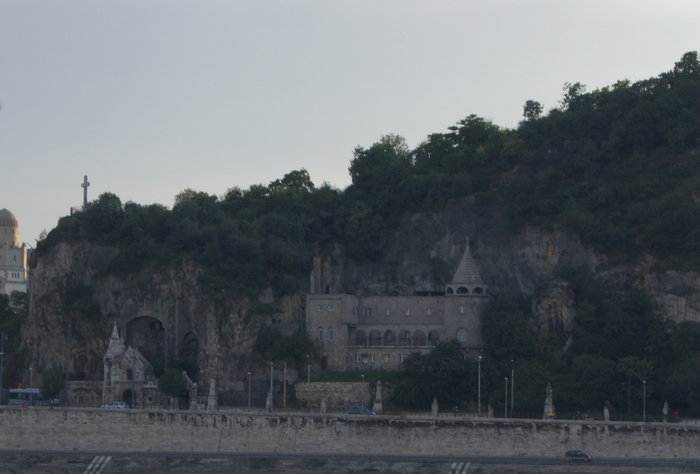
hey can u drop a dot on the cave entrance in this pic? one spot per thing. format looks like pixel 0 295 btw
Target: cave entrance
pixel 149 336
pixel 189 354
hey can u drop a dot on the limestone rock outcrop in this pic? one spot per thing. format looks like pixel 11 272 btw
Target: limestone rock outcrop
pixel 74 302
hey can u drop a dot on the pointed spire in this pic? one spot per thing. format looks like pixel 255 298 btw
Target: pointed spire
pixel 467 275
pixel 116 345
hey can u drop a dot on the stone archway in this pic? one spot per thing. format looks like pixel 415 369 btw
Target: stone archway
pixel 126 398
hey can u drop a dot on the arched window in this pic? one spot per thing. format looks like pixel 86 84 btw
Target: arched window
pixel 330 334
pixel 404 338
pixel 462 336
pixel 375 338
pixel 389 338
pixel 419 338
pixel 462 290
pixel 433 338
pixel 129 374
pixel 360 338
pixel 478 291
pixel 450 291
pixel 320 334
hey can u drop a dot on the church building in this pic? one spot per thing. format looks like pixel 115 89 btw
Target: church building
pixel 379 332
pixel 13 256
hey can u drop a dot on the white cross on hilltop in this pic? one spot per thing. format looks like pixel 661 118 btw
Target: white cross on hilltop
pixel 85 186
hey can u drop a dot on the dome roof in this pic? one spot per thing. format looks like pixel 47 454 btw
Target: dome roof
pixel 7 219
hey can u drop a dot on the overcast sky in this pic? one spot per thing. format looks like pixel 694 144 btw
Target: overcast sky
pixel 148 98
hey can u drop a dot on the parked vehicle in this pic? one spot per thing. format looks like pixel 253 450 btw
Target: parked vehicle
pixel 577 456
pixel 117 405
pixel 592 415
pixel 360 410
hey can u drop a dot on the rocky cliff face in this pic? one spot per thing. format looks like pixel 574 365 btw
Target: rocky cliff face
pixel 73 304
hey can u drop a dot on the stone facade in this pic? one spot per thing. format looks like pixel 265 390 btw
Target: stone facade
pixel 378 332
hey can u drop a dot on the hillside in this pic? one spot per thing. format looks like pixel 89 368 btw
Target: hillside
pixel 585 224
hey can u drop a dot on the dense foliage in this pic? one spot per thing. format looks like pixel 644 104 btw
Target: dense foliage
pixel 617 167
pixel 272 344
pixel 52 382
pixel 618 343
pixel 442 373
pixel 173 383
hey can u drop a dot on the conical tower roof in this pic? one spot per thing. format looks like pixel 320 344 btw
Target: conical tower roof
pixel 467 273
pixel 116 345
pixel 466 280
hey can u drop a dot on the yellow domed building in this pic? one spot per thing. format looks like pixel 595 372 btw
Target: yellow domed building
pixel 13 256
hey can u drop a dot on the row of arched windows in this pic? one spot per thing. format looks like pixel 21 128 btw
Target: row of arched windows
pixel 463 290
pixel 404 338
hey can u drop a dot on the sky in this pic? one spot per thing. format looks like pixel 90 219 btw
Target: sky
pixel 149 97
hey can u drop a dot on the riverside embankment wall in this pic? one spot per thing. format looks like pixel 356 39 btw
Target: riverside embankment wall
pixel 136 430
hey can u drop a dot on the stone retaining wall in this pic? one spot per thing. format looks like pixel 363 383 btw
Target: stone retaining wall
pixel 338 394
pixel 67 429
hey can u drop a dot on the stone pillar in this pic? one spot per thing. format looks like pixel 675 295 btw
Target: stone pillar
pixel 606 413
pixel 323 404
pixel 377 407
pixel 268 402
pixel 211 400
pixel 490 411
pixel 664 410
pixel 549 412
pixel 434 408
pixel 193 397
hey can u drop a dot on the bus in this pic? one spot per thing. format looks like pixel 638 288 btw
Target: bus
pixel 23 396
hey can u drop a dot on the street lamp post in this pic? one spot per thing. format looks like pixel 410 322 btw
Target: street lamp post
pixel 505 413
pixel 31 385
pixel 479 402
pixel 2 355
pixel 272 366
pixel 363 392
pixel 644 413
pixel 512 386
pixel 308 370
pixel 248 389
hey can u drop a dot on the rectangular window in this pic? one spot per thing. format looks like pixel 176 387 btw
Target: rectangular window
pixel 368 312
pixel 388 312
pixel 320 308
pixel 370 357
pixel 428 314
pixel 330 308
pixel 354 310
pixel 401 358
pixel 408 311
pixel 461 310
pixel 358 358
pixel 387 358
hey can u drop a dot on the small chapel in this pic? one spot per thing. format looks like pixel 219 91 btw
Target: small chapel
pixel 127 374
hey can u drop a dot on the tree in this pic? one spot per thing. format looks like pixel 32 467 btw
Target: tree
pixel 633 367
pixel 173 383
pixel 52 382
pixel 532 110
pixel 443 373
